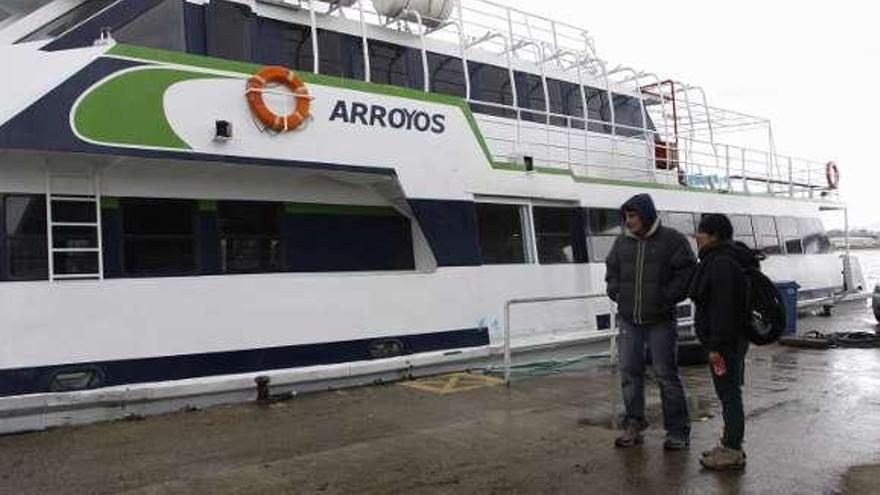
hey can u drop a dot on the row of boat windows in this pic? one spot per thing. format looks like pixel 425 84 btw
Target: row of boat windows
pixel 573 235
pixel 173 237
pixel 232 31
pixel 167 237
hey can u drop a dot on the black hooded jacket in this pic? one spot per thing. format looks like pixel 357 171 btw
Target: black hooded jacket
pixel 648 275
pixel 718 291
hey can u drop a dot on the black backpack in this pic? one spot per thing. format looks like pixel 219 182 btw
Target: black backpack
pixel 766 308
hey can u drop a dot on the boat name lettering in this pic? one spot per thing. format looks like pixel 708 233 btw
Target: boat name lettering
pixel 395 118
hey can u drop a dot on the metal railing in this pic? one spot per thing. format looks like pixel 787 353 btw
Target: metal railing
pixel 688 126
pixel 612 333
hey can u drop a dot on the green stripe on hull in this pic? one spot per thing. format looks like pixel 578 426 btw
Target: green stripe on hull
pixel 129 109
pixel 328 209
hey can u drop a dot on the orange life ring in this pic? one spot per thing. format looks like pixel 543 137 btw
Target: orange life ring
pixel 279 75
pixel 832 174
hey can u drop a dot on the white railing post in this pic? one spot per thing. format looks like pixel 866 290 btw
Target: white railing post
pixel 316 62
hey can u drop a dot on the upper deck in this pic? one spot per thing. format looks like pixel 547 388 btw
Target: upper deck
pixel 543 96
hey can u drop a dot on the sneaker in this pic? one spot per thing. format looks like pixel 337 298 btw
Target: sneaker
pixel 707 453
pixel 676 442
pixel 724 459
pixel 631 437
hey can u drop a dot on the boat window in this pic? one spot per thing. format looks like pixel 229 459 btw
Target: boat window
pixel 604 226
pixel 683 222
pixel 530 95
pixel 229 30
pixel 341 55
pixel 250 239
pixel 25 231
pixel 558 235
pixel 598 110
pixel 161 27
pixel 334 238
pixel 791 235
pixel 396 65
pixel 766 235
pixel 813 236
pixel 490 84
pixel 68 20
pixel 743 230
pixel 447 75
pixel 158 236
pixel 565 99
pixel 283 43
pixel 628 116
pixel 501 233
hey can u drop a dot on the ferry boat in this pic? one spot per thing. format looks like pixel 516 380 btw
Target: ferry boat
pixel 195 193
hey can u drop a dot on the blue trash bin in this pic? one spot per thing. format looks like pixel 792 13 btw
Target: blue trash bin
pixel 789 292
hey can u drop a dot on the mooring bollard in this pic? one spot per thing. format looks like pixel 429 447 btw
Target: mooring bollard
pixel 262 382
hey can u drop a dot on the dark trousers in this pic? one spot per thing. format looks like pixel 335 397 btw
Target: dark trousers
pixel 729 390
pixel 662 339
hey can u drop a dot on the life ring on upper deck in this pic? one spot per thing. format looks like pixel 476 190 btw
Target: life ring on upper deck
pixel 832 174
pixel 286 77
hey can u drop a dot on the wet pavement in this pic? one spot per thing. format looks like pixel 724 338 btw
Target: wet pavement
pixel 813 427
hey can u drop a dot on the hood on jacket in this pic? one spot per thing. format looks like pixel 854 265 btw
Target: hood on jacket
pixel 743 254
pixel 643 205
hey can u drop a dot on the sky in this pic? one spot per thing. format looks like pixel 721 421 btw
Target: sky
pixel 809 66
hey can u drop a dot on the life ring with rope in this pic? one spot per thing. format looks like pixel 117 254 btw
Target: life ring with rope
pixel 278 75
pixel 832 175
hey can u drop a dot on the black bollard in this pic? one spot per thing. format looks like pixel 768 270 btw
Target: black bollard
pixel 262 382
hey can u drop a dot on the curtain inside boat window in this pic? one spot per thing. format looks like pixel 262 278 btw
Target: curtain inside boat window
pixel 67 21
pixel 161 27
pixel 229 30
pixel 447 75
pixel 158 237
pixel 341 55
pixel 339 238
pixel 598 110
pixel 743 230
pixel 684 222
pixel 559 235
pixel 790 234
pixel 813 236
pixel 501 231
pixel 490 84
pixel 565 99
pixel 284 44
pixel 395 64
pixel 628 117
pixel 24 232
pixel 530 95
pixel 766 234
pixel 603 226
pixel 250 236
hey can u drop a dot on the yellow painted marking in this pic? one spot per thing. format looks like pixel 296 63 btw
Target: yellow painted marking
pixel 453 383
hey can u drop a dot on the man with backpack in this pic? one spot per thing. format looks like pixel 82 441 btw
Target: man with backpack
pixel 720 292
pixel 648 272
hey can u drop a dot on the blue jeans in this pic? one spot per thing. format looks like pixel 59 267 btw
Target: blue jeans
pixel 662 339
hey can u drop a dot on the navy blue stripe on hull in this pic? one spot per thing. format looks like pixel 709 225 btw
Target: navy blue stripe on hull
pixel 25 381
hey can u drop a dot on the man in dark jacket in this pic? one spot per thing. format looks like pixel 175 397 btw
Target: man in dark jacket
pixel 648 272
pixel 719 293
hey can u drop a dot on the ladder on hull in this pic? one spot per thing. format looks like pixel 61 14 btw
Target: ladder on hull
pixel 73 225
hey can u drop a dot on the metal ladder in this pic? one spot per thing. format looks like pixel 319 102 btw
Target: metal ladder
pixel 73 225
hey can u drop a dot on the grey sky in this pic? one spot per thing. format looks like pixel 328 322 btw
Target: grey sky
pixel 809 66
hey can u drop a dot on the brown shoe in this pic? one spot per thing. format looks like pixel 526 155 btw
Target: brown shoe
pixel 724 459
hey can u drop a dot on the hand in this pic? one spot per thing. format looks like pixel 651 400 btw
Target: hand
pixel 719 367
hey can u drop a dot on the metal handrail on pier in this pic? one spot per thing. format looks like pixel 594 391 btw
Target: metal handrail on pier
pixel 532 300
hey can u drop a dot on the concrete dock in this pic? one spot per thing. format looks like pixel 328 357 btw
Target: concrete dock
pixel 813 427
